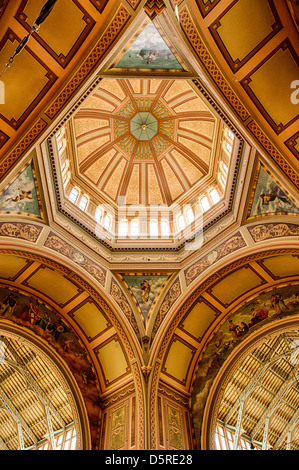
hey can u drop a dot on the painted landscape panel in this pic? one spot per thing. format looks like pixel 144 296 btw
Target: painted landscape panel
pixel 21 195
pixel 149 51
pixel 269 198
pixel 145 289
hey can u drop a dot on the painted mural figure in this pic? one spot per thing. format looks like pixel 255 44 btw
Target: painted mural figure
pixel 233 329
pixel 146 288
pixel 278 304
pixel 30 313
pixel 9 305
pixel 244 328
pixel 271 198
pixel 19 199
pixel 257 316
pixel 21 195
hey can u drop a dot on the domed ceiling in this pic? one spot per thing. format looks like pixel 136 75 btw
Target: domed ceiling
pixel 148 141
pixel 139 147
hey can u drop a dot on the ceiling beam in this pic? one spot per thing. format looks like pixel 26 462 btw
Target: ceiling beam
pixel 275 402
pixel 255 379
pixel 288 429
pixel 16 415
pixel 19 364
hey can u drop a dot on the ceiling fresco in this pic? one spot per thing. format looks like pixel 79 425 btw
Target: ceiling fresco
pixel 149 51
pixel 269 198
pixel 22 196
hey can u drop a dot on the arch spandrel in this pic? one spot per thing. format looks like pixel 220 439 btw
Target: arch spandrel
pixel 98 350
pixel 187 339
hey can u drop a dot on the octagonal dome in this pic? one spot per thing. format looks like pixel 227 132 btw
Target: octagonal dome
pixel 148 143
pixel 157 165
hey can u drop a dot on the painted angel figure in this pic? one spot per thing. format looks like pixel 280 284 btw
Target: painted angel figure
pixel 146 288
pixel 271 198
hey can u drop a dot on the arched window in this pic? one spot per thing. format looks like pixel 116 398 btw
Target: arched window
pixel 74 195
pixel 205 204
pixel 228 147
pixel 230 134
pixel 107 222
pixel 190 215
pixel 66 177
pixel 134 228
pixel 83 203
pixel 164 228
pixel 154 231
pixel 224 167
pixel 214 196
pixel 181 222
pixel 223 179
pixel 98 214
pixel 123 228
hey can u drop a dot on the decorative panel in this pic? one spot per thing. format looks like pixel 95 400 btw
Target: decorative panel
pixel 234 285
pixel 199 318
pixel 11 266
pixel 282 266
pixel 64 31
pixel 90 318
pixel 25 83
pixel 112 360
pixel 278 70
pixel 178 360
pixel 117 438
pixel 243 28
pixel 53 284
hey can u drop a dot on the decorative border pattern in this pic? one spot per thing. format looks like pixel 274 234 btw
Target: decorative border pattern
pixel 172 295
pixel 21 230
pixel 236 242
pixel 119 297
pixel 273 152
pixel 261 232
pixel 55 243
pixel 27 140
